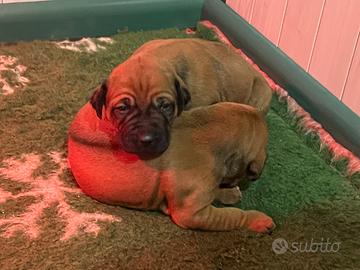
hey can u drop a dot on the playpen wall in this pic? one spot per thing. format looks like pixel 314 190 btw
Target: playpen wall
pixel 322 36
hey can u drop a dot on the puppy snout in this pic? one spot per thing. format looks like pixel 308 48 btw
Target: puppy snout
pixel 146 139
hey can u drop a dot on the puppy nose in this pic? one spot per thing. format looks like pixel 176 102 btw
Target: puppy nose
pixel 146 139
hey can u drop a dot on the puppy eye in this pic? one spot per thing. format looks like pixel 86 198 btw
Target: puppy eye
pixel 124 106
pixel 165 106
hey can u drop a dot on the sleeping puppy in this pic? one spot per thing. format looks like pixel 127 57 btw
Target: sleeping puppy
pixel 144 94
pixel 212 146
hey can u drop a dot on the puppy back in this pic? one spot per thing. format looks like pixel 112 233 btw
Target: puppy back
pixel 218 115
pixel 223 126
pixel 88 129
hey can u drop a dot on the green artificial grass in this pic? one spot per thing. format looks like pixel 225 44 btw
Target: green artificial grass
pixel 307 194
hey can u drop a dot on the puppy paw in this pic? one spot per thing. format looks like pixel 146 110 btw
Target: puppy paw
pixel 228 196
pixel 260 222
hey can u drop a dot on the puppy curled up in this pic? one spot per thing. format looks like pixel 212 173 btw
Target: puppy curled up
pixel 211 147
pixel 162 78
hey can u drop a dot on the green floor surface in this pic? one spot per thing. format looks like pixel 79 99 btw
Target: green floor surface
pixel 310 200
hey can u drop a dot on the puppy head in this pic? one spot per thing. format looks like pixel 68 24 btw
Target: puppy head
pixel 141 100
pixel 238 172
pixel 247 147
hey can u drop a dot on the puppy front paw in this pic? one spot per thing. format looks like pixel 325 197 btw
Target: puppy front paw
pixel 260 222
pixel 229 196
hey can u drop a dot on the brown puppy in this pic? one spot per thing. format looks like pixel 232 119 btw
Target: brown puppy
pixel 211 146
pixel 145 93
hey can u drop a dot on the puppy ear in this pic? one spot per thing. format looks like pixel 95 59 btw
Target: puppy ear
pixel 234 165
pixel 98 99
pixel 254 170
pixel 183 97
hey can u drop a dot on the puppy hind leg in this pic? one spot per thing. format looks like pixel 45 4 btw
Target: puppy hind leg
pixel 224 219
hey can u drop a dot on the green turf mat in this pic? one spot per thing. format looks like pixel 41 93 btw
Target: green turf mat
pixel 309 197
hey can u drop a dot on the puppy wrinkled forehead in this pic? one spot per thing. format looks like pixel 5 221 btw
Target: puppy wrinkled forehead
pixel 136 79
